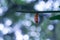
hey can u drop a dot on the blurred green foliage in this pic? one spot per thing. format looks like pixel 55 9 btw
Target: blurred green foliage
pixel 57 17
pixel 45 33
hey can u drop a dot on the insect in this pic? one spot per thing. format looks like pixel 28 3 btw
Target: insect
pixel 36 18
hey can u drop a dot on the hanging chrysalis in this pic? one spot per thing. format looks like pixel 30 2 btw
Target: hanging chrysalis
pixel 36 18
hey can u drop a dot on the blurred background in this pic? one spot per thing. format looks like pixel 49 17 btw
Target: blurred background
pixel 16 25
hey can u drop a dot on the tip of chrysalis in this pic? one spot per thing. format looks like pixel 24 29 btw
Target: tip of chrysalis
pixel 36 22
pixel 36 18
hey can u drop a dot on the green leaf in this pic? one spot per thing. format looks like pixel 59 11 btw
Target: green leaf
pixel 55 17
pixel 19 2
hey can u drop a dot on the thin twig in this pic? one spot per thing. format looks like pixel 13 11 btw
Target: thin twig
pixel 25 11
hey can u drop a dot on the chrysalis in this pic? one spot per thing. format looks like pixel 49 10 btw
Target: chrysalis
pixel 36 18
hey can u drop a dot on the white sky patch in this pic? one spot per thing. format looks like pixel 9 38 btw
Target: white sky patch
pixel 48 39
pixel 1 26
pixel 33 34
pixel 40 6
pixel 18 35
pixel 27 16
pixel 5 8
pixel 17 26
pixel 1 38
pixel 26 23
pixel 37 38
pixel 50 27
pixel 7 30
pixel 55 21
pixel 48 5
pixel 8 22
pixel 48 14
pixel 38 29
pixel 1 11
pixel 26 37
pixel 32 28
pixel 56 5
